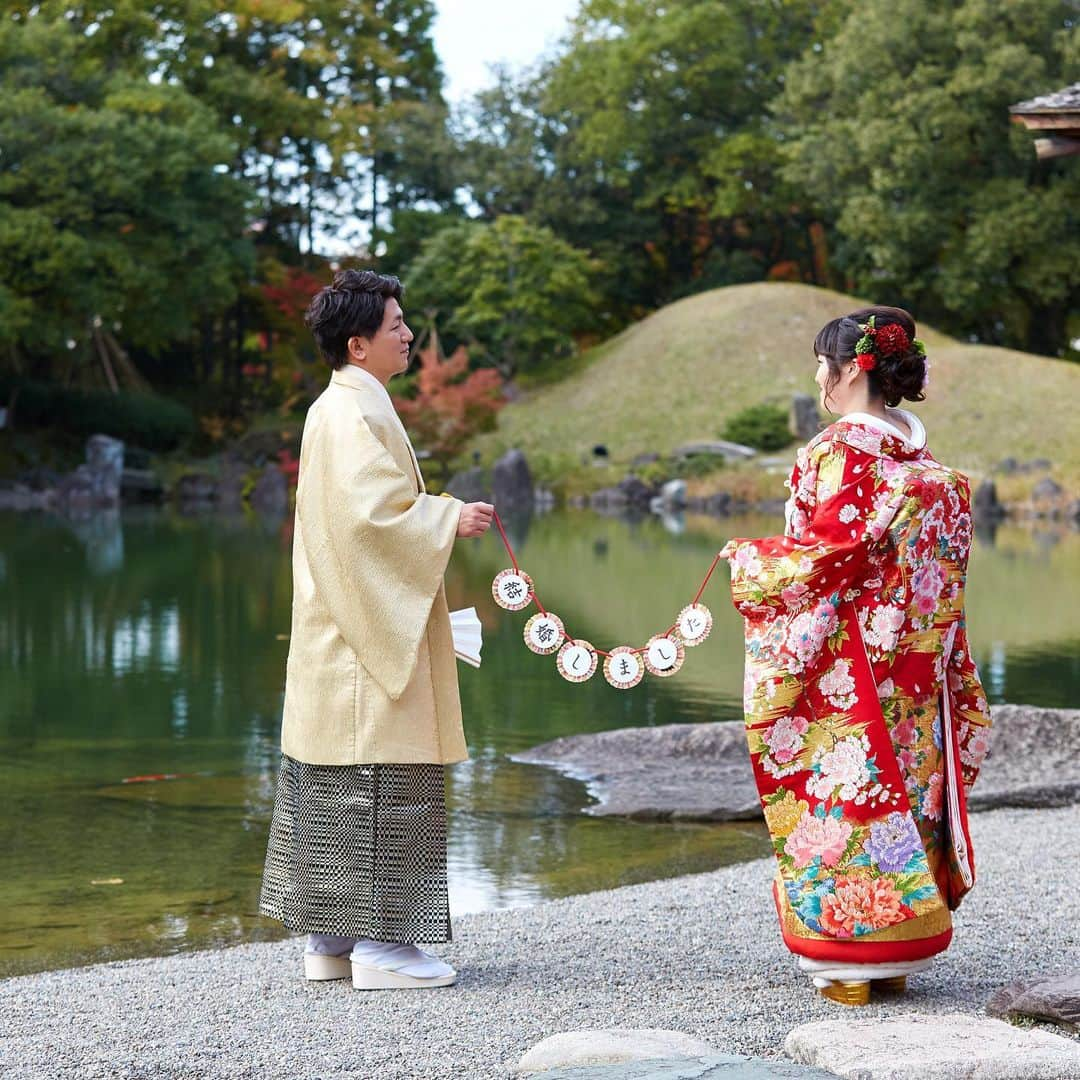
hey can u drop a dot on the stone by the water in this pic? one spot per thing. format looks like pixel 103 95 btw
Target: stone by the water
pixel 195 488
pixel 608 1046
pixel 985 506
pixel 271 492
pixel 471 485
pixel 917 1046
pixel 733 451
pixel 512 484
pixel 1034 759
pixel 804 422
pixel 702 771
pixel 1043 997
pixel 683 771
pixel 719 1067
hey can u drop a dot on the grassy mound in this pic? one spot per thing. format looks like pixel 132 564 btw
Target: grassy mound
pixel 680 374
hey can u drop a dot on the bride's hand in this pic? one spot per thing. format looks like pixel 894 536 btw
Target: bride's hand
pixel 727 550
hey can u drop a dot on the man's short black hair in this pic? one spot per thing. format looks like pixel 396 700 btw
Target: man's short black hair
pixel 353 305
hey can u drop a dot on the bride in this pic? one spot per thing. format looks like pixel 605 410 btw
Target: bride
pixel 865 717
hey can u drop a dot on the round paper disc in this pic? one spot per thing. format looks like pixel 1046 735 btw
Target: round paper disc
pixel 512 589
pixel 624 667
pixel 544 633
pixel 664 655
pixel 577 660
pixel 694 624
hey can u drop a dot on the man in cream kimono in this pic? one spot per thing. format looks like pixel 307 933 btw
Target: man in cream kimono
pixel 357 850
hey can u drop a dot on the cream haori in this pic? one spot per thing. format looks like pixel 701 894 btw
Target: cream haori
pixel 860 682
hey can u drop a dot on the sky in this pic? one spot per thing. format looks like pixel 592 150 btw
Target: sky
pixel 471 35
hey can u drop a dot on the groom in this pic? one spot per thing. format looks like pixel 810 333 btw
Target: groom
pixel 357 850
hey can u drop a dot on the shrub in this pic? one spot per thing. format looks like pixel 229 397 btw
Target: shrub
pixel 146 420
pixel 764 427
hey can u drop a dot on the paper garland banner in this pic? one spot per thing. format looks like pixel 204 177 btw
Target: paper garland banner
pixel 577 660
pixel 664 655
pixel 512 590
pixel 544 633
pixel 624 667
pixel 694 623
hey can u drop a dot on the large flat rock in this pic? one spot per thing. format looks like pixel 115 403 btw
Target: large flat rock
pixel 1034 759
pixel 606 1046
pixel 720 1067
pixel 702 771
pixel 917 1046
pixel 678 771
pixel 1043 997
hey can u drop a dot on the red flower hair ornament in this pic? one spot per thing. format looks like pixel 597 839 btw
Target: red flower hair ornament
pixel 890 340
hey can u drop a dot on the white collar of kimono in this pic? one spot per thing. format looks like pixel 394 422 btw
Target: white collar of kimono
pixel 359 379
pixel 917 438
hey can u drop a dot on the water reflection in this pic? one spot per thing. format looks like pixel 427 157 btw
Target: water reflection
pixel 150 646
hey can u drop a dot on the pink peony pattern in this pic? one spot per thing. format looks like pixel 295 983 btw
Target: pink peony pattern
pixel 785 737
pixel 862 903
pixel 824 838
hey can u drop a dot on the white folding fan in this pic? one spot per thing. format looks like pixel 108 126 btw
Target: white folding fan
pixel 468 635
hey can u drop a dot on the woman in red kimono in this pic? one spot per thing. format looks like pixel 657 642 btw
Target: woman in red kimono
pixel 864 712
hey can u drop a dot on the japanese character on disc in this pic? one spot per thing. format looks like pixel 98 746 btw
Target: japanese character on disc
pixel 512 589
pixel 694 624
pixel 624 667
pixel 664 655
pixel 544 633
pixel 577 660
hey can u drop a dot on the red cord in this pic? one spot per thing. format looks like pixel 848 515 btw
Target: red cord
pixel 543 610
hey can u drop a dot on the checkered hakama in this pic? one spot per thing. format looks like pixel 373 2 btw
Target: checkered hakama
pixel 359 851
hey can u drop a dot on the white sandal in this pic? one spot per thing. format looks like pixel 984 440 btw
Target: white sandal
pixel 325 959
pixel 398 967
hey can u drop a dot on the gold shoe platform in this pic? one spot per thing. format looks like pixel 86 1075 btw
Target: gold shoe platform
pixel 847 993
pixel 858 993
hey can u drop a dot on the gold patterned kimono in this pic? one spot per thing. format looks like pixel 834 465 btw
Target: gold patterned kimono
pixel 372 674
pixel 865 717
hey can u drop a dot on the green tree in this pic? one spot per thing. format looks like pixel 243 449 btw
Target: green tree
pixel 512 290
pixel 117 211
pixel 663 110
pixel 899 130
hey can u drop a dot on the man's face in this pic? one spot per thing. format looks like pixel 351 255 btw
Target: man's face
pixel 387 353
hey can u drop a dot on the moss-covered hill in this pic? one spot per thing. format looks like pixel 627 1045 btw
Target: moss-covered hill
pixel 680 373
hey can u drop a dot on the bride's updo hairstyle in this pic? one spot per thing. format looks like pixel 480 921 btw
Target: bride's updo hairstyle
pixel 896 368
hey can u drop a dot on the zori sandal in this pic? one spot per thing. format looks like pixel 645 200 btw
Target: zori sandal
pixel 398 967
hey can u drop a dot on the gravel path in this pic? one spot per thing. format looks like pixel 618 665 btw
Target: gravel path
pixel 698 954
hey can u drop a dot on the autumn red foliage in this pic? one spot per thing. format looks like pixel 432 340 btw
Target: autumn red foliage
pixel 292 296
pixel 451 404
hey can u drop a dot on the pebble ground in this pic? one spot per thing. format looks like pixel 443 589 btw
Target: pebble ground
pixel 698 954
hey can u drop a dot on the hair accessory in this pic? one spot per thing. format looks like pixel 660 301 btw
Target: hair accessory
pixel 878 342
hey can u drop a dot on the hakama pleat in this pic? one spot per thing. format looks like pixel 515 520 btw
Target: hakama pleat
pixel 359 851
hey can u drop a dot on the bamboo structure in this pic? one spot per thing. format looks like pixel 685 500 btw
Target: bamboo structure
pixel 1056 117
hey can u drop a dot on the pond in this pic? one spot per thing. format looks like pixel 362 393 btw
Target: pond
pixel 141 667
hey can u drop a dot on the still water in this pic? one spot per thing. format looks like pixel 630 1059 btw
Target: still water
pixel 152 646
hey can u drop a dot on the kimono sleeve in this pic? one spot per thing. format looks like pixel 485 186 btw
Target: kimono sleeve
pixel 969 707
pixel 377 550
pixel 799 508
pixel 828 542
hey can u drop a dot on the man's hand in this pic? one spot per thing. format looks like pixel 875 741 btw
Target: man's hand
pixel 475 519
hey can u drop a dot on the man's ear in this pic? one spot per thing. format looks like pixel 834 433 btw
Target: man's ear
pixel 356 348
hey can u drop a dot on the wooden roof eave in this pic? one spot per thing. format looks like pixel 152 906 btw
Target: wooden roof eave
pixel 1062 128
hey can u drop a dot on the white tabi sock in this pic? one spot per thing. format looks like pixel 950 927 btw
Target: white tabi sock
pixel 406 959
pixel 329 944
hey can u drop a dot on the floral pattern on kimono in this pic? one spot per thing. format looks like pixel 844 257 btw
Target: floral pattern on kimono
pixel 855 642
